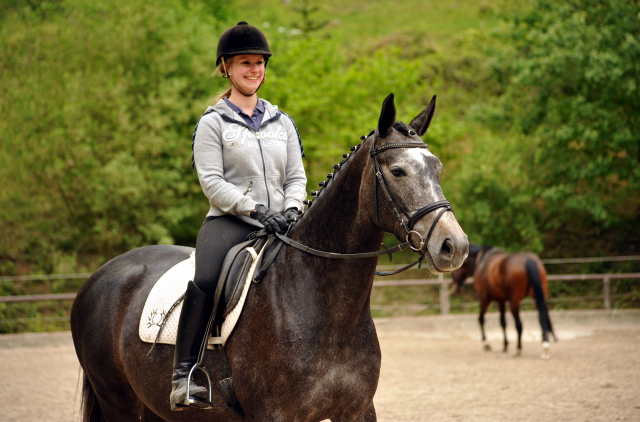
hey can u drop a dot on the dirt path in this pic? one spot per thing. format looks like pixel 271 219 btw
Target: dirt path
pixel 433 369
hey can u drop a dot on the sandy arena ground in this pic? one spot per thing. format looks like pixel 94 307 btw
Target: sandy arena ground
pixel 433 369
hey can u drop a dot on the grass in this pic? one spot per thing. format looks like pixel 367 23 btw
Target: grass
pixel 362 25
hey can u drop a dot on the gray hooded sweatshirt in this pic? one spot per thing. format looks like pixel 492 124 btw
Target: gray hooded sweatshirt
pixel 239 168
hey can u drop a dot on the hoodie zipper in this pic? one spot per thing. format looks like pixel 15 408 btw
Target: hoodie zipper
pixel 264 171
pixel 264 167
pixel 249 188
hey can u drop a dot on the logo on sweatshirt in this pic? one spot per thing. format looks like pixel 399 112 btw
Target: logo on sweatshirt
pixel 236 135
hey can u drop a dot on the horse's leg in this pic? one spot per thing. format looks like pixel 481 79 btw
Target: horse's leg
pixel 515 310
pixel 368 415
pixel 503 324
pixel 149 416
pixel 119 406
pixel 484 304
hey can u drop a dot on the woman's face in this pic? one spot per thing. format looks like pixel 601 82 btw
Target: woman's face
pixel 247 71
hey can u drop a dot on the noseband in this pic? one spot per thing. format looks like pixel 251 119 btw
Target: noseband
pixel 397 204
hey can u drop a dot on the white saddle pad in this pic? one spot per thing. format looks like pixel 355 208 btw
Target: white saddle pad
pixel 168 290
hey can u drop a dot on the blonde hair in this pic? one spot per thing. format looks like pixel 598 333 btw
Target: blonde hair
pixel 220 71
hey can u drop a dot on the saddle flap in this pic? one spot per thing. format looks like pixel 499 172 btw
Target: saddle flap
pixel 236 278
pixel 234 270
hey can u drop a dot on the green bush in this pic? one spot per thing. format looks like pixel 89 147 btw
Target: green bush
pixel 99 99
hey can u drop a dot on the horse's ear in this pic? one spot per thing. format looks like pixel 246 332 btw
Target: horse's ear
pixel 423 120
pixel 387 116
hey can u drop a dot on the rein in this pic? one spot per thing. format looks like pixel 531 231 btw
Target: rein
pixel 335 255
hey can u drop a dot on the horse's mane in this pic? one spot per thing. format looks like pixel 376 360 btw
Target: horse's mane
pixel 330 176
pixel 485 248
pixel 475 249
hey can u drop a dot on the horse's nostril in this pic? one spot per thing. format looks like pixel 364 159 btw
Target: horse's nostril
pixel 447 248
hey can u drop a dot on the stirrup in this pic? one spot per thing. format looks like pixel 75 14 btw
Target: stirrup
pixel 194 401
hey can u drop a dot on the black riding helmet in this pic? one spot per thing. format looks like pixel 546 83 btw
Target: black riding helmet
pixel 242 39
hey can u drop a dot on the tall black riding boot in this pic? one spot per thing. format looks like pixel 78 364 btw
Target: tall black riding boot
pixel 192 329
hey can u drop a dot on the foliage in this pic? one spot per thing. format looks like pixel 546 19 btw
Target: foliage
pixel 305 9
pixel 98 100
pixel 573 89
pixel 556 146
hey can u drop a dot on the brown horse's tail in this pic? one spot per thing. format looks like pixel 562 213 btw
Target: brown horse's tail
pixel 541 301
pixel 91 411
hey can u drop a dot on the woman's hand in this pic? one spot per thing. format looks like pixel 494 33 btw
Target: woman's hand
pixel 291 214
pixel 272 221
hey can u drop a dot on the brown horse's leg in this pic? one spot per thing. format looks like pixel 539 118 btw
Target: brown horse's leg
pixel 515 310
pixel 484 304
pixel 503 324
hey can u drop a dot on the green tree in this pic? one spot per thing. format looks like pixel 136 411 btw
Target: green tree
pixel 573 87
pixel 98 100
pixel 553 160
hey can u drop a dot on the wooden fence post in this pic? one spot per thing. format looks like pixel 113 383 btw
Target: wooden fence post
pixel 444 295
pixel 607 293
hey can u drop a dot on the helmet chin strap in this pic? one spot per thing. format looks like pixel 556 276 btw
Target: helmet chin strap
pixel 228 76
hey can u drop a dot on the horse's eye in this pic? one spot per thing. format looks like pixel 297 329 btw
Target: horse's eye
pixel 398 172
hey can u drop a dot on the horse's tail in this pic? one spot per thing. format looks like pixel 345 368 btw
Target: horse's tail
pixel 91 411
pixel 541 302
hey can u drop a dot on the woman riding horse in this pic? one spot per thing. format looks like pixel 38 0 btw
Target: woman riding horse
pixel 248 156
pixel 305 348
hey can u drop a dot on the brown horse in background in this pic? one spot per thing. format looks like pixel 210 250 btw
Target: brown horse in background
pixel 507 277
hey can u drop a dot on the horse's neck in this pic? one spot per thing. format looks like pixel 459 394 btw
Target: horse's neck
pixel 338 221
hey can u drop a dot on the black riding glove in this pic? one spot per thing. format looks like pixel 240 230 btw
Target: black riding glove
pixel 271 220
pixel 292 214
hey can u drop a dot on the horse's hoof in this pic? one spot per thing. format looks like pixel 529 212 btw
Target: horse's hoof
pixel 545 351
pixel 486 347
pixel 518 354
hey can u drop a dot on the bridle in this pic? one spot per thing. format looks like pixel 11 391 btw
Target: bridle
pixel 397 204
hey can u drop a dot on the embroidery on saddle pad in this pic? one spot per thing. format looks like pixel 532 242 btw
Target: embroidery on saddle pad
pixel 162 297
pixel 168 289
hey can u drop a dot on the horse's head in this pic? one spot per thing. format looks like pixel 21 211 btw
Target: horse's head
pixel 467 269
pixel 406 190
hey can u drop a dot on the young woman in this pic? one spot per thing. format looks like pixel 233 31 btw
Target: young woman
pixel 248 155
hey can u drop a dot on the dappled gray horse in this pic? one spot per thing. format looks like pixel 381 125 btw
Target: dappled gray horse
pixel 305 348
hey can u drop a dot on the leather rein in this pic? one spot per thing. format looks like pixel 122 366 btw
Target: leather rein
pixel 397 206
